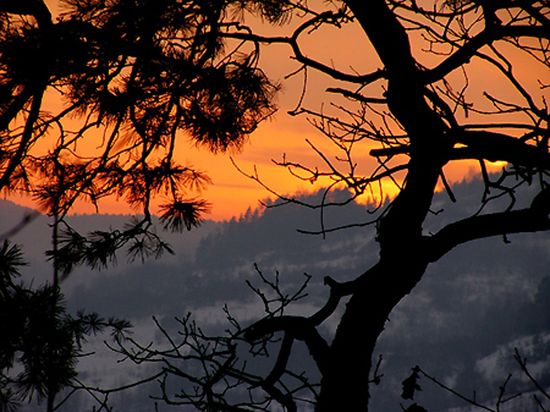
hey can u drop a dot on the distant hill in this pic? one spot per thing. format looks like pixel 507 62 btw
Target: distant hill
pixel 13 217
pixel 35 237
pixel 460 324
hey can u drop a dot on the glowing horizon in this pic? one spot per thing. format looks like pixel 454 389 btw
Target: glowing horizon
pixel 231 193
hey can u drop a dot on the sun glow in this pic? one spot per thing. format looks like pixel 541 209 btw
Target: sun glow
pixel 287 137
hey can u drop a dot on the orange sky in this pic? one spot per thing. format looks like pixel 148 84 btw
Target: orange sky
pixel 232 193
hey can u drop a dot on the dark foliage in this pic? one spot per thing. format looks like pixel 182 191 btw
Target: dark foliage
pixel 41 341
pixel 133 77
pixel 410 385
pixel 140 75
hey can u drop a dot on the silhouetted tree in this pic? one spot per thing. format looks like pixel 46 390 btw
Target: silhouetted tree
pixel 39 336
pixel 137 75
pixel 425 116
pixel 147 69
pixel 127 79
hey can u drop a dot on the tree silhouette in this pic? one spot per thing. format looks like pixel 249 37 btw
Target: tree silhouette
pixel 39 335
pixel 147 69
pixel 132 77
pixel 138 75
pixel 424 120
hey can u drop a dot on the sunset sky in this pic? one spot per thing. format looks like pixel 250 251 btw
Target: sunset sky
pixel 112 111
pixel 347 49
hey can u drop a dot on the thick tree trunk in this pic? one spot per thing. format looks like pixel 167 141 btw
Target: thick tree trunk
pixel 345 383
